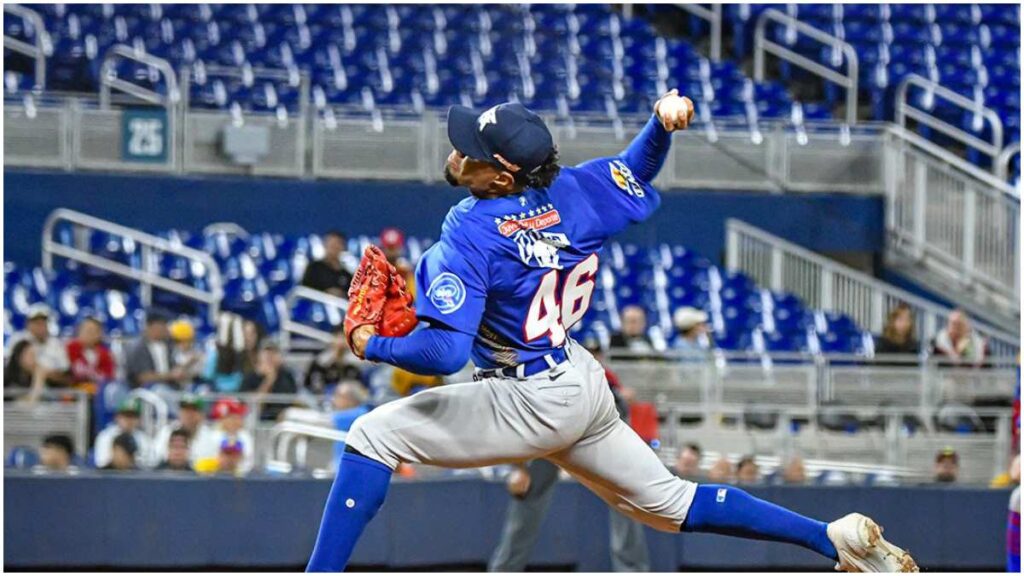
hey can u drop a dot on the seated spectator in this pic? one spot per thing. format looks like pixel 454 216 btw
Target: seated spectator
pixel 234 354
pixel 392 243
pixel 148 362
pixel 898 333
pixel 271 377
pixel 91 361
pixel 229 414
pixel 177 453
pixel 348 402
pixel 947 466
pixel 185 356
pixel 122 454
pixel 794 471
pixel 721 472
pixel 56 453
pixel 23 371
pixel 329 273
pixel 51 356
pixel 334 364
pixel 958 341
pixel 1009 478
pixel 633 336
pixel 192 421
pixel 688 463
pixel 747 471
pixel 126 421
pixel 229 461
pixel 694 340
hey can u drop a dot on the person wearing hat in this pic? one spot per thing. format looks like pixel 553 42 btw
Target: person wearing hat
pixel 692 326
pixel 149 361
pixel 51 356
pixel 271 377
pixel 229 414
pixel 392 243
pixel 192 421
pixel 126 421
pixel 947 466
pixel 185 355
pixel 329 274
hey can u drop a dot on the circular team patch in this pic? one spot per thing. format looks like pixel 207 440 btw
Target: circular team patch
pixel 447 293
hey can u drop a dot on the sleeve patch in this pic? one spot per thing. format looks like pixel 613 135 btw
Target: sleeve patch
pixel 447 293
pixel 624 179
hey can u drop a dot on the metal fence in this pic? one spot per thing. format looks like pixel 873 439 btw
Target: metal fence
pixel 825 284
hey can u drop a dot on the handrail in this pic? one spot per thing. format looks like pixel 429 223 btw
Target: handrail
pixel 229 228
pixel 148 243
pixel 37 51
pixel 108 81
pixel 289 326
pixel 905 109
pixel 81 434
pixel 284 433
pixel 1002 162
pixel 949 158
pixel 159 406
pixel 829 272
pixel 714 18
pixel 762 45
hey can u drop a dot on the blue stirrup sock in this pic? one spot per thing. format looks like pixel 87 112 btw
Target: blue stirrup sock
pixel 356 495
pixel 730 511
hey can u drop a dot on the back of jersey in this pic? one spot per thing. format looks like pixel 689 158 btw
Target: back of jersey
pixel 519 272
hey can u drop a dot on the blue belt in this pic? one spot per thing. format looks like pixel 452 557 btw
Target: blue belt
pixel 526 369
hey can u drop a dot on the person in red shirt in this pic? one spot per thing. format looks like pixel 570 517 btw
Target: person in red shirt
pixel 91 361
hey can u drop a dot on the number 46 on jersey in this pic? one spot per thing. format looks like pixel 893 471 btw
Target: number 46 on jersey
pixel 553 316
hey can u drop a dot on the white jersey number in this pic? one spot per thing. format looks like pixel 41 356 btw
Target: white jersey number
pixel 547 317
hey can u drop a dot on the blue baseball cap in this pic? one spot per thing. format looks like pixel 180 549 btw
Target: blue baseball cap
pixel 508 135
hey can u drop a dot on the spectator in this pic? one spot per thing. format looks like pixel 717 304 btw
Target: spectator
pixel 958 341
pixel 329 274
pixel 688 462
pixel 392 243
pixel 271 377
pixel 56 452
pixel 185 356
pixel 123 452
pixel 91 361
pixel 23 371
pixel 747 471
pixel 692 325
pixel 794 471
pixel 51 356
pixel 149 360
pixel 126 421
pixel 1009 478
pixel 234 354
pixel 898 333
pixel 192 421
pixel 947 466
pixel 177 450
pixel 633 336
pixel 721 472
pixel 229 414
pixel 229 461
pixel 334 364
pixel 348 402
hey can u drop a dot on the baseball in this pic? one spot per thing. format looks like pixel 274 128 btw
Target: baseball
pixel 674 111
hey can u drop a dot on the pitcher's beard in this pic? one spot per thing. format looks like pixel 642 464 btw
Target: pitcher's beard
pixel 450 177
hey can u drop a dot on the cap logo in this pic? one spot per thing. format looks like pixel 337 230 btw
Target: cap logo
pixel 508 165
pixel 488 117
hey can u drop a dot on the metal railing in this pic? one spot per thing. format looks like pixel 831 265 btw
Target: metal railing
pixel 285 435
pixel 109 80
pixel 823 283
pixel 906 109
pixel 763 45
pixel 1003 161
pixel 55 412
pixel 713 16
pixel 290 327
pixel 150 247
pixel 39 49
pixel 954 219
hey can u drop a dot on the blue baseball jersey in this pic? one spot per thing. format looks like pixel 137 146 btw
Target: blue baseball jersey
pixel 517 272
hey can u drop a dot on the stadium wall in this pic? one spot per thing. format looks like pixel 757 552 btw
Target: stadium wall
pixel 160 522
pixel 829 223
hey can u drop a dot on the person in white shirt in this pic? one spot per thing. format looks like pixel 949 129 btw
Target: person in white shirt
pixel 126 421
pixel 229 414
pixel 51 354
pixel 191 419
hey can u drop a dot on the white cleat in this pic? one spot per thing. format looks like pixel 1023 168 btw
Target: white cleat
pixel 862 549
